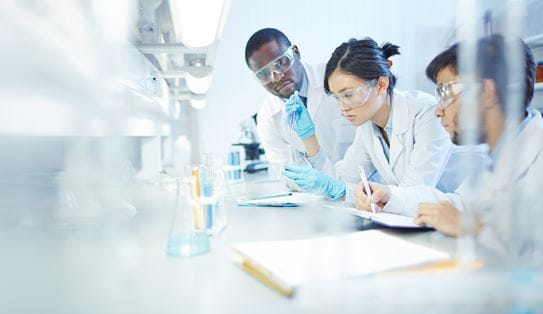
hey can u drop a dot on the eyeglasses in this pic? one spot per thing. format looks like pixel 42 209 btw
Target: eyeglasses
pixel 279 65
pixel 355 97
pixel 446 93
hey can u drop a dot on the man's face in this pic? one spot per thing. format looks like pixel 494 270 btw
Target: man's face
pixel 282 84
pixel 449 115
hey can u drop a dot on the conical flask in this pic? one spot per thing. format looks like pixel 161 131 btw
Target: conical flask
pixel 186 237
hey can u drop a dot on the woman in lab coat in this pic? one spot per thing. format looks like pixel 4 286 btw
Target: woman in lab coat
pixel 399 141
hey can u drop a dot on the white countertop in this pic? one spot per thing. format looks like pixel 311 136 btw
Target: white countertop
pixel 119 265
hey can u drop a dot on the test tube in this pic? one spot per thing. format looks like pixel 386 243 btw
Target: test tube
pixel 206 188
pixel 293 117
pixel 211 192
pixel 234 168
pixel 196 193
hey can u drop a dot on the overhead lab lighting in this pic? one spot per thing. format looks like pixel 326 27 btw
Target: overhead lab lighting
pixel 198 85
pixel 198 23
pixel 198 103
pixel 195 59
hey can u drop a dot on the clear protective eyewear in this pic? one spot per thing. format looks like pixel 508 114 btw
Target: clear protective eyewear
pixel 279 65
pixel 355 97
pixel 446 93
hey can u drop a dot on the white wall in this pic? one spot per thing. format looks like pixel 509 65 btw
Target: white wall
pixel 421 28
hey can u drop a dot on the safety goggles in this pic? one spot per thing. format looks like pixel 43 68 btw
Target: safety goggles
pixel 279 65
pixel 446 93
pixel 355 97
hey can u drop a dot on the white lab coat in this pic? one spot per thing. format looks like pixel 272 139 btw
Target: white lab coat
pixel 333 131
pixel 518 171
pixel 419 147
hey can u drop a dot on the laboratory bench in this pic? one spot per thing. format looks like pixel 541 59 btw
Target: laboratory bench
pixel 118 264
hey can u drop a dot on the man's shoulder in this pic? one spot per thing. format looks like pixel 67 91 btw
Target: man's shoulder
pixel 315 73
pixel 538 118
pixel 269 107
pixel 535 126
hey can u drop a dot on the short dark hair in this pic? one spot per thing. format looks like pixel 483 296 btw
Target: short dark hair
pixel 262 37
pixel 447 58
pixel 491 64
pixel 362 58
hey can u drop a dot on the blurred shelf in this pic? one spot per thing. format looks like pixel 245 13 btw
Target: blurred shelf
pixel 126 96
pixel 539 87
pixel 53 119
pixel 534 41
pixel 169 48
pixel 198 71
pixel 91 80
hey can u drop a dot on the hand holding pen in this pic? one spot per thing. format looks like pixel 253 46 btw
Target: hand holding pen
pixel 380 196
pixel 366 186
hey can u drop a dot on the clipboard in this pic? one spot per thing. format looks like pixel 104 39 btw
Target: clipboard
pixel 289 200
pixel 268 204
pixel 388 220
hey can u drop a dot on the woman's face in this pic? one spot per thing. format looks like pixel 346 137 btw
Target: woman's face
pixel 357 98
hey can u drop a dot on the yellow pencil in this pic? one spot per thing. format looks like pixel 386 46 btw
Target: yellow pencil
pixel 267 279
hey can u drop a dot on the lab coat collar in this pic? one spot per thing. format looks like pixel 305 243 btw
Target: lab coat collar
pixel 388 126
pixel 400 125
pixel 530 113
pixel 523 151
pixel 305 84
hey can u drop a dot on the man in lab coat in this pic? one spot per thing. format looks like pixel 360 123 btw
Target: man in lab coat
pixel 277 65
pixel 506 200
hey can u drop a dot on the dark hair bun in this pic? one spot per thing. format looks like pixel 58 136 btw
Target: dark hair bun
pixel 390 50
pixel 364 59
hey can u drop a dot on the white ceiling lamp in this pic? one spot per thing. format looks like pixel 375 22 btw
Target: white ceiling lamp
pixel 198 85
pixel 198 23
pixel 198 103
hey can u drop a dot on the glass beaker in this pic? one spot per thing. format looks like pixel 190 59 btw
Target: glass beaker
pixel 187 238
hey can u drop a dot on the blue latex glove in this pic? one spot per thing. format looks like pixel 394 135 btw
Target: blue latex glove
pixel 303 125
pixel 313 180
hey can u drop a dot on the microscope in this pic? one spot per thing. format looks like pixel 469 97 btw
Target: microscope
pixel 248 139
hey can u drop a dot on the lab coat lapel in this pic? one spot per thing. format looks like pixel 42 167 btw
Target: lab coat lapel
pixel 380 160
pixel 400 124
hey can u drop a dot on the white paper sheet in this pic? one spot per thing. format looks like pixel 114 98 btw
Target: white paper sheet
pixel 386 219
pixel 354 254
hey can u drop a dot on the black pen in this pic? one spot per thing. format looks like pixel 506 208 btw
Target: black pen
pixel 273 195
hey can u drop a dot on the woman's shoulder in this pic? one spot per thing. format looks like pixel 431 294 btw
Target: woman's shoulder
pixel 415 98
pixel 417 102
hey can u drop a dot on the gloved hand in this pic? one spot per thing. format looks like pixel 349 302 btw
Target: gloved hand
pixel 313 180
pixel 298 115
